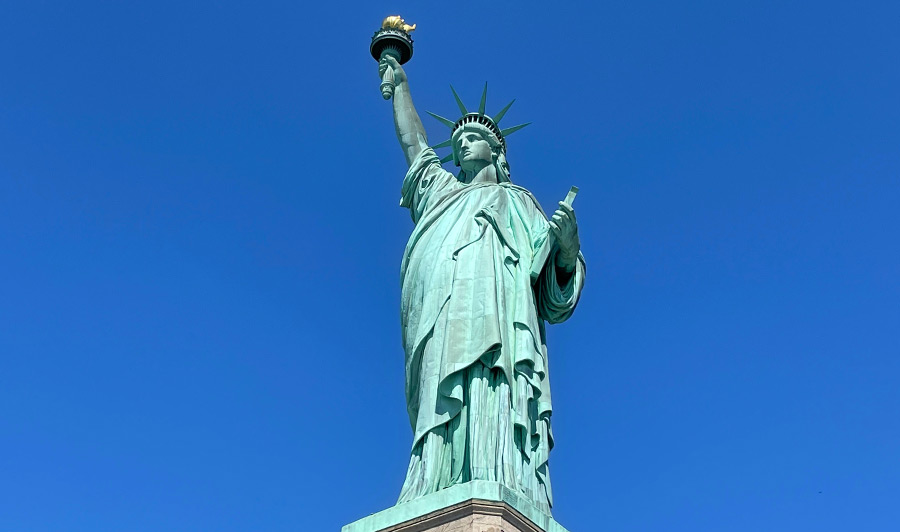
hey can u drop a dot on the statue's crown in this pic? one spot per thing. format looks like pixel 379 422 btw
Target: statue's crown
pixel 480 118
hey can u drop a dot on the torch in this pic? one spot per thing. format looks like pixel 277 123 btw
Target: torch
pixel 392 39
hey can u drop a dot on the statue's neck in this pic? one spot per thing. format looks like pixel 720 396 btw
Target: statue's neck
pixel 486 174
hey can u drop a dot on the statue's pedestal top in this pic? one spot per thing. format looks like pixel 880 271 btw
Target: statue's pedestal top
pixel 476 506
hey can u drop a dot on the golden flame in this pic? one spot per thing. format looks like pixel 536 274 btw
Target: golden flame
pixel 395 22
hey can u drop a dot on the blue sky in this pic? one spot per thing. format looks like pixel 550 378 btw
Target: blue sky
pixel 201 248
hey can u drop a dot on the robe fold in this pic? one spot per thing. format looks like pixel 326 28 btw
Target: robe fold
pixel 473 306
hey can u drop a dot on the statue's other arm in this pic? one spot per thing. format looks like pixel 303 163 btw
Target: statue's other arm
pixel 410 131
pixel 558 269
pixel 565 229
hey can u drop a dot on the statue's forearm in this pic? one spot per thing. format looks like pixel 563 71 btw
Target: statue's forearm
pixel 410 131
pixel 565 268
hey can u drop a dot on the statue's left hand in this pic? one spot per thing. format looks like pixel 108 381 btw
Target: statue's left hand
pixel 565 229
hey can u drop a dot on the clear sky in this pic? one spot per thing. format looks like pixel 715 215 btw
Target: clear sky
pixel 199 284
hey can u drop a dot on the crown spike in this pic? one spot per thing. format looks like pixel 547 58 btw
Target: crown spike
pixel 502 112
pixel 483 100
pixel 447 158
pixel 510 130
pixel 442 144
pixel 446 121
pixel 459 103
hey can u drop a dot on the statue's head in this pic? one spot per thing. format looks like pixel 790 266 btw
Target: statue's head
pixel 476 138
pixel 476 146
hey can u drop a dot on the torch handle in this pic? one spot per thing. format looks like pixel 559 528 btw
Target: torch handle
pixel 387 79
pixel 387 83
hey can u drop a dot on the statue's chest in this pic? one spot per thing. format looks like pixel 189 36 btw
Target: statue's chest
pixel 475 218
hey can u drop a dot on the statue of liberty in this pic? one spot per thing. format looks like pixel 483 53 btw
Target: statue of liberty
pixel 483 270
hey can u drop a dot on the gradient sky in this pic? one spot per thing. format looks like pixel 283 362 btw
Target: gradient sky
pixel 199 284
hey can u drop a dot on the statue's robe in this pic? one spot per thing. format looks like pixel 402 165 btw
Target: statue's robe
pixel 478 280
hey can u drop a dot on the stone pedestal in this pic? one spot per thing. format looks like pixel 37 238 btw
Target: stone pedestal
pixel 477 506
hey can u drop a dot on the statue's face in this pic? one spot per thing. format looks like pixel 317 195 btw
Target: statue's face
pixel 473 150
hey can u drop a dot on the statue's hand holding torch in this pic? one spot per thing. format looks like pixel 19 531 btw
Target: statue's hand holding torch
pixel 391 47
pixel 391 73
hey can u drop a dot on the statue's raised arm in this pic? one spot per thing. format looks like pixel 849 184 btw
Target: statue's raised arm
pixel 410 131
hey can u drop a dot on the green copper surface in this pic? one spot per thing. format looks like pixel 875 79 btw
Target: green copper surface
pixel 482 275
pixel 459 103
pixel 500 114
pixel 483 100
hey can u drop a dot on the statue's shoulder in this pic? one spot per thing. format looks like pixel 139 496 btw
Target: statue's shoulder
pixel 525 195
